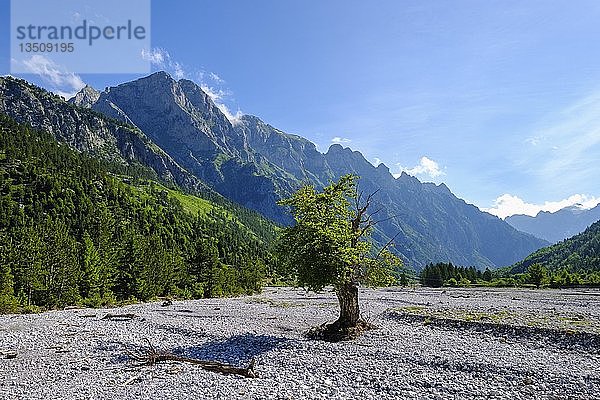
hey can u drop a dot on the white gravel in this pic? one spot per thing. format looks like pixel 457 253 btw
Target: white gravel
pixel 75 354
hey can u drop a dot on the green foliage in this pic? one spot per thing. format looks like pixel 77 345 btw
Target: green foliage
pixel 324 247
pixel 75 230
pixel 572 262
pixel 446 274
pixel 538 274
pixel 487 275
pixel 580 254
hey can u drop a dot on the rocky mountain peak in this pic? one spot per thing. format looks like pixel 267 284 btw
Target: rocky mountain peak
pixel 86 97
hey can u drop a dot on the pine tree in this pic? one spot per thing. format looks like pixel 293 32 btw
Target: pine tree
pixel 538 274
pixel 91 270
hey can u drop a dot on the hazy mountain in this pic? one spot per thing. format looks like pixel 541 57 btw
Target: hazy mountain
pixel 433 224
pixel 558 225
pixel 579 253
pixel 175 128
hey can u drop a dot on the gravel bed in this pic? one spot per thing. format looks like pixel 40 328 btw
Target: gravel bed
pixel 75 354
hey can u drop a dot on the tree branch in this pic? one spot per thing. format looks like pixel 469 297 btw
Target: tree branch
pixel 387 244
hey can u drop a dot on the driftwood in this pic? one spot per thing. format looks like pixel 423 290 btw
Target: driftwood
pixel 8 354
pixel 67 308
pixel 119 317
pixel 151 357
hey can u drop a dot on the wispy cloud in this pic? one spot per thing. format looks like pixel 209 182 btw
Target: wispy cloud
pixel 216 77
pixel 60 81
pixel 426 167
pixel 156 56
pixel 507 205
pixel 211 83
pixel 376 161
pixel 566 145
pixel 340 140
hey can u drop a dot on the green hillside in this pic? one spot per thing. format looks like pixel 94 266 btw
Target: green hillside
pixel 75 229
pixel 581 253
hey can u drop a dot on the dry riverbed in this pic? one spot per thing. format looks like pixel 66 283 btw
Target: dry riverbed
pixel 430 344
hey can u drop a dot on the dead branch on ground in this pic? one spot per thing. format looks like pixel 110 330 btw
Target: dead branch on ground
pixel 8 354
pixel 151 356
pixel 119 317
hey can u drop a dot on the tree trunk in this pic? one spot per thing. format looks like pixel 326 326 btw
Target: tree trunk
pixel 349 311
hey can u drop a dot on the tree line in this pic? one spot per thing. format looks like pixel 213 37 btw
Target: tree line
pixel 538 275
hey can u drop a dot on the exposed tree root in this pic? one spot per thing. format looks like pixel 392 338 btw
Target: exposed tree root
pixel 337 332
pixel 152 356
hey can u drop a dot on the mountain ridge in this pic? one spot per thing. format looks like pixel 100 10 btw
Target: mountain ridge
pixel 256 164
pixel 558 225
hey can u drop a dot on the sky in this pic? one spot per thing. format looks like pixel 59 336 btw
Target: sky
pixel 500 100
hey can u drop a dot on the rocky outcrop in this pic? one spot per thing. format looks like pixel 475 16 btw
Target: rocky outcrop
pixel 85 97
pixel 89 131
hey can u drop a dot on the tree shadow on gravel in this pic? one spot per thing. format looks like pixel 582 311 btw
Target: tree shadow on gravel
pixel 235 350
pixel 238 349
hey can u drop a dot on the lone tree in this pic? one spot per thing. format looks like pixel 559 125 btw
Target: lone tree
pixel 329 245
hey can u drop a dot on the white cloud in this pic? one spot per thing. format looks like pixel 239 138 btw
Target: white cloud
pixel 156 56
pixel 179 72
pixel 376 161
pixel 215 94
pixel 62 82
pixel 426 167
pixel 340 140
pixel 233 118
pixel 507 205
pixel 535 140
pixel 161 59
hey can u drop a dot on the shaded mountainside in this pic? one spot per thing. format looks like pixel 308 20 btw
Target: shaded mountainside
pixel 256 164
pixel 577 254
pixel 434 225
pixel 180 118
pixel 558 225
pixel 77 229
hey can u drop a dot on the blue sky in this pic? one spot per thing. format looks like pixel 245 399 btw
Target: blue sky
pixel 498 99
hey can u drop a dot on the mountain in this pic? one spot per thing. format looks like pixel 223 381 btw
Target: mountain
pixel 576 254
pixel 181 119
pixel 558 225
pixel 90 132
pixel 180 133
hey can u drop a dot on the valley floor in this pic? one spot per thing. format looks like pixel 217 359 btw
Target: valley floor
pixel 431 344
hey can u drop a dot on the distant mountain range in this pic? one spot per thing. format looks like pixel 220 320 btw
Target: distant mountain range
pixel 175 128
pixel 558 225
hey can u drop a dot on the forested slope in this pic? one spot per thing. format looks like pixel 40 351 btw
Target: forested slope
pixel 75 229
